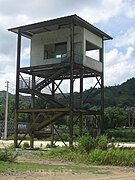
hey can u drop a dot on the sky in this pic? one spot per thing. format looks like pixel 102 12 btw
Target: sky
pixel 115 17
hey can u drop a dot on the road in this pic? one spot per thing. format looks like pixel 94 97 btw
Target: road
pixel 37 144
pixel 42 144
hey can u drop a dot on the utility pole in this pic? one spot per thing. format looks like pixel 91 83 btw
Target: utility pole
pixel 6 111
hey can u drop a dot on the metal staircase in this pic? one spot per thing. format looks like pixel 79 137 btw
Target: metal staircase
pixel 46 97
pixel 50 79
pixel 49 120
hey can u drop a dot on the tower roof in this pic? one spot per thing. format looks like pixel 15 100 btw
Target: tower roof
pixel 54 24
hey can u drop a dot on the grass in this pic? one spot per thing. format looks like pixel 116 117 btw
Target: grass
pixel 4 166
pixel 112 156
pixel 101 154
pixel 9 164
pixel 121 157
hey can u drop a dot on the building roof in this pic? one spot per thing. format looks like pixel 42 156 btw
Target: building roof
pixel 54 24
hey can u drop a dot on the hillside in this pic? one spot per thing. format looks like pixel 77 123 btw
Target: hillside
pixel 24 100
pixel 120 95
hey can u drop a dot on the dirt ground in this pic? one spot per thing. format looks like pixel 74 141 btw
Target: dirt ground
pixel 66 176
pixel 105 172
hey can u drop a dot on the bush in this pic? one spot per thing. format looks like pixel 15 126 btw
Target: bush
pixel 65 137
pixel 87 143
pixel 8 154
pixel 101 142
pixel 121 135
pixel 26 145
pixel 51 146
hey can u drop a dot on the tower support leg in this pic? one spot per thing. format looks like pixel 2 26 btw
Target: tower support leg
pixel 71 85
pixel 17 90
pixel 81 104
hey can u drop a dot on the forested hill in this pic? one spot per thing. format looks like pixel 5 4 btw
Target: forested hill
pixel 121 95
pixel 25 100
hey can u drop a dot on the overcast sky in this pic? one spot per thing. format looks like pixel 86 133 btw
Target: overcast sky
pixel 115 17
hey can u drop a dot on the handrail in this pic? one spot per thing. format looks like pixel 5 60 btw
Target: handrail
pixel 25 83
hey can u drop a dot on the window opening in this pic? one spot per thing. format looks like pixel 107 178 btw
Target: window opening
pixel 49 51
pixel 92 51
pixel 58 50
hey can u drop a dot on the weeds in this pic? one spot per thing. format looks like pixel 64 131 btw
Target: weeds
pixel 8 154
pixel 122 157
pixel 101 142
pixel 90 150
pixel 88 143
pixel 26 145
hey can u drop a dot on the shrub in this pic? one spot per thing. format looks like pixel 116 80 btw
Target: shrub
pixel 7 154
pixel 101 142
pixel 121 135
pixel 65 137
pixel 87 143
pixel 26 145
pixel 51 146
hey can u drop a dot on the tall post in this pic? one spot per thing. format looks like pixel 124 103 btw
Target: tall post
pixel 52 124
pixel 17 89
pixel 71 84
pixel 6 112
pixel 102 87
pixel 33 114
pixel 81 103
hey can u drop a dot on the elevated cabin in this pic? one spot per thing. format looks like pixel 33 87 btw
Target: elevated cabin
pixel 66 48
pixel 51 42
pixel 54 47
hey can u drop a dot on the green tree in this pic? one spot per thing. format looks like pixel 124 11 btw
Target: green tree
pixel 115 117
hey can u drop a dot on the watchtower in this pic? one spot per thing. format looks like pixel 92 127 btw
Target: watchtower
pixel 60 51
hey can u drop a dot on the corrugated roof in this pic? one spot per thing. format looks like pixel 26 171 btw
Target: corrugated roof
pixel 54 24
